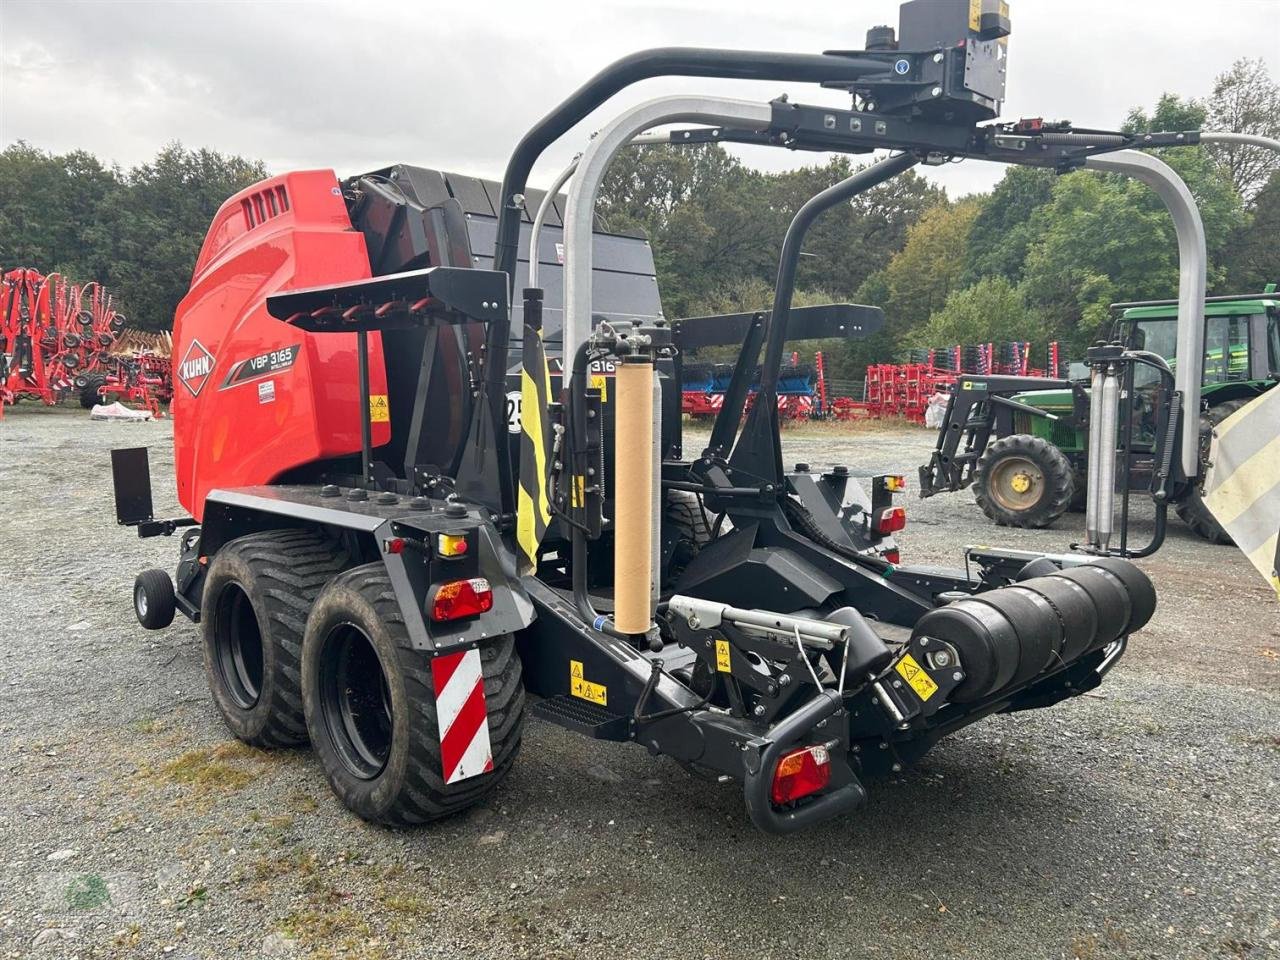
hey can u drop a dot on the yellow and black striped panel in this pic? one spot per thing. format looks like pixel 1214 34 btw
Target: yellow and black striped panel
pixel 533 511
pixel 1242 489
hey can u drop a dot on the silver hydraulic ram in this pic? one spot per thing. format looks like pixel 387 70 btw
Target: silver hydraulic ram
pixel 636 495
pixel 1158 175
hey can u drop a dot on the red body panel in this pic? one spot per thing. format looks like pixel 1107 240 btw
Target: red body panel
pixel 285 233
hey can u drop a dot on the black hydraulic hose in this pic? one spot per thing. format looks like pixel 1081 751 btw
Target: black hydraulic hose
pixel 578 557
pixel 789 260
pixel 803 520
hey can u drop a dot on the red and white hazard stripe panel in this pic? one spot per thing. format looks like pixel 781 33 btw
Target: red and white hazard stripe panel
pixel 464 721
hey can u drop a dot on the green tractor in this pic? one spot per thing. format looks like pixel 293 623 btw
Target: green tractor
pixel 1022 442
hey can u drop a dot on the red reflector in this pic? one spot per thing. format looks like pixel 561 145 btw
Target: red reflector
pixel 801 773
pixel 889 520
pixel 893 556
pixel 462 598
pixel 394 545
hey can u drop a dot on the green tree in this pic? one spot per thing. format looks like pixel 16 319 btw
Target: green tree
pixel 921 277
pixel 46 204
pixel 1171 113
pixel 1253 255
pixel 992 310
pixel 1005 227
pixel 1246 100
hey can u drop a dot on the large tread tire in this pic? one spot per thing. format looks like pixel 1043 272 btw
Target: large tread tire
pixel 1056 488
pixel 280 572
pixel 1191 508
pixel 409 789
pixel 89 396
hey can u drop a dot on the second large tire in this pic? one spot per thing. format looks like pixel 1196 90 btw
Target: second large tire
pixel 1023 481
pixel 1191 508
pixel 257 595
pixel 372 712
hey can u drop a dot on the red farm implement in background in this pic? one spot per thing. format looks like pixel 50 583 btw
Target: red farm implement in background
pixel 59 340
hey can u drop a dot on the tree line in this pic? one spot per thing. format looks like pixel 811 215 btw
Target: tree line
pixel 136 231
pixel 1037 258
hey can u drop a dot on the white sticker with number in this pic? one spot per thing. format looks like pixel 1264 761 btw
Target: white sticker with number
pixel 514 402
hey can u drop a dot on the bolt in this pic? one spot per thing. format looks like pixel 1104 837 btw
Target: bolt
pixel 936 91
pixel 695 623
pixel 937 57
pixel 898 684
pixel 942 658
pixel 829 121
pixel 784 680
pixel 924 641
pixel 759 710
pixel 897 768
pixel 883 745
pixel 820 724
pixel 957 676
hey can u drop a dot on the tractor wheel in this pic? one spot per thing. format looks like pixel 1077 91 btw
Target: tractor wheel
pixel 372 709
pixel 257 594
pixel 1079 494
pixel 89 396
pixel 1023 481
pixel 1191 508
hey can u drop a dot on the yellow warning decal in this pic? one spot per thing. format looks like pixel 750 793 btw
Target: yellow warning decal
pixel 723 663
pixel 914 674
pixel 600 382
pixel 975 15
pixel 379 409
pixel 583 689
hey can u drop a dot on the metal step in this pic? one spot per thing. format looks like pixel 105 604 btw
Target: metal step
pixel 583 717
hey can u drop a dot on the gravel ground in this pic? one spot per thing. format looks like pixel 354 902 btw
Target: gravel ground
pixel 1138 822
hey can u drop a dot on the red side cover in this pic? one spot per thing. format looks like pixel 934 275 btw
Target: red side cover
pixel 253 396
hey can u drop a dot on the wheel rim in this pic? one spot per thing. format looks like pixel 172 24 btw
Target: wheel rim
pixel 355 700
pixel 1017 484
pixel 239 647
pixel 140 601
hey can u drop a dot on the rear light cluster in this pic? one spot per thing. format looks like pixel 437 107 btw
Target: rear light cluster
pixel 460 599
pixel 800 773
pixel 888 520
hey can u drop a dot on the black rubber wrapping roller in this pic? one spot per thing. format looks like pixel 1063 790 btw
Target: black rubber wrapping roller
pixel 1009 636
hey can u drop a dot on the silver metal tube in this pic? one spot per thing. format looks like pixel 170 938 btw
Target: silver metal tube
pixel 1093 459
pixel 579 212
pixel 535 233
pixel 1158 175
pixel 540 218
pixel 1247 139
pixel 1107 456
pixel 704 614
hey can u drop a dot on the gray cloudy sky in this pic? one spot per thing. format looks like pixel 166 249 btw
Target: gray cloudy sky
pixel 356 85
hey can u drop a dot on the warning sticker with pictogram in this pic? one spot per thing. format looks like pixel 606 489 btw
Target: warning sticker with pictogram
pixel 584 689
pixel 915 675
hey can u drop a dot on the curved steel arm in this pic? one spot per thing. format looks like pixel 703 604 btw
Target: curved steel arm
pixel 540 218
pixel 580 210
pixel 1246 139
pixel 1158 175
pixel 658 62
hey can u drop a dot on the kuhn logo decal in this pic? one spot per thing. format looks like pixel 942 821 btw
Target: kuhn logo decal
pixel 195 367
